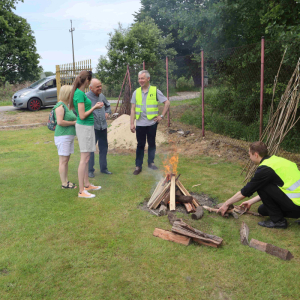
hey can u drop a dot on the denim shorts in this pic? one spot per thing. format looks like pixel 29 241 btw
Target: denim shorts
pixel 64 144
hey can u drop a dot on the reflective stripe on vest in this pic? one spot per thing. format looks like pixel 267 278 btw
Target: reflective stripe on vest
pixel 288 173
pixel 151 103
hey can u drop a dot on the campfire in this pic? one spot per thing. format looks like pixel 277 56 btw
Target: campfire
pixel 170 191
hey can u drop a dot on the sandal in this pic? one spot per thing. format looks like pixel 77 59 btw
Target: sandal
pixel 69 185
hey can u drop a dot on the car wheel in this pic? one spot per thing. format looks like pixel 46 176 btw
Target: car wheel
pixel 34 104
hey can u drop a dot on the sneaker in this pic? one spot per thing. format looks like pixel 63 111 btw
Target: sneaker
pixel 137 171
pixel 92 188
pixel 86 194
pixel 91 175
pixel 270 224
pixel 153 166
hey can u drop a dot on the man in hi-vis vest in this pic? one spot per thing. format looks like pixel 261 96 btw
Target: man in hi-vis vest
pixel 144 108
pixel 277 183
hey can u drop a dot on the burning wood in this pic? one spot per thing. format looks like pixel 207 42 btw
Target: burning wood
pixel 170 190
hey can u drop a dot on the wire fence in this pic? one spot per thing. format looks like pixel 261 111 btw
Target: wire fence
pixel 232 89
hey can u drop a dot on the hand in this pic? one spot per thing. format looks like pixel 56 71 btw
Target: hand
pixel 157 119
pixel 98 105
pixel 246 205
pixel 132 128
pixel 223 209
pixel 74 123
pixel 106 115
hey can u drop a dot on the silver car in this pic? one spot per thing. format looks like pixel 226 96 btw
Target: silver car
pixel 41 93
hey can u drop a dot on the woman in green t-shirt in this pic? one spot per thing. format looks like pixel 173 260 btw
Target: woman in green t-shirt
pixel 64 134
pixel 84 130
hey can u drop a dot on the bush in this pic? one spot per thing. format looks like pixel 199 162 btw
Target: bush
pixel 184 83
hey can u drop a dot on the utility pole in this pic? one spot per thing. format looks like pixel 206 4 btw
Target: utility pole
pixel 71 30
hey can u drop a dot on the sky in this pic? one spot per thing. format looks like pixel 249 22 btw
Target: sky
pixel 92 20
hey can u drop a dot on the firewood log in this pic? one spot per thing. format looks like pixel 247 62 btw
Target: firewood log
pixel 171 236
pixel 271 249
pixel 162 210
pixel 198 214
pixel 184 199
pixel 244 233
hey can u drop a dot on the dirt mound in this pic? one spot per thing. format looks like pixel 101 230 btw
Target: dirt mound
pixel 120 136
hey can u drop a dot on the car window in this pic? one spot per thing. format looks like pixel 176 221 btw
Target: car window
pixel 51 84
pixel 35 84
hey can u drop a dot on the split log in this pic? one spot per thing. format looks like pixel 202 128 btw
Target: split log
pixel 186 193
pixel 244 234
pixel 158 199
pixel 166 198
pixel 184 199
pixel 189 207
pixel 172 193
pixel 156 192
pixel 184 229
pixel 170 236
pixel 271 249
pixel 198 214
pixel 162 210
pixel 198 241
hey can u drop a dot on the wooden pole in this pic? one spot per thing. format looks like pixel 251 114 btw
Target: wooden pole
pixel 202 89
pixel 167 74
pixel 262 85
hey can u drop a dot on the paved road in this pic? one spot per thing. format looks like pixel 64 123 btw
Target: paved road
pixel 173 98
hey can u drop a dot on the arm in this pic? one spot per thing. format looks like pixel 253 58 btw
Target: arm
pixel 237 197
pixel 132 118
pixel 60 113
pixel 247 204
pixel 107 107
pixel 161 98
pixel 84 114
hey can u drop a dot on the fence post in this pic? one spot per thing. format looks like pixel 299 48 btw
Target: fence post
pixel 262 84
pixel 167 74
pixel 202 89
pixel 144 68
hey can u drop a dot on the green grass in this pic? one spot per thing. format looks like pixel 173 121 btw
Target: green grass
pixel 56 246
pixel 5 103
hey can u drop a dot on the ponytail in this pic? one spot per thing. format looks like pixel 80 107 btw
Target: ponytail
pixel 79 81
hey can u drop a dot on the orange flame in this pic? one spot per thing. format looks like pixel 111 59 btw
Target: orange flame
pixel 170 165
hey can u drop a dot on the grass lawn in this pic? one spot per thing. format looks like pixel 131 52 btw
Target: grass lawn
pixel 57 246
pixel 5 103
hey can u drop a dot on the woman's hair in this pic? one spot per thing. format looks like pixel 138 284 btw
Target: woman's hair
pixel 64 94
pixel 260 148
pixel 79 81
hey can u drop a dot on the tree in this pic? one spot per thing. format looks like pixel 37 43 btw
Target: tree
pixel 48 73
pixel 19 60
pixel 141 42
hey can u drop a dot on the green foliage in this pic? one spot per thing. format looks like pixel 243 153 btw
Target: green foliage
pixel 141 42
pixel 183 83
pixel 49 73
pixel 18 55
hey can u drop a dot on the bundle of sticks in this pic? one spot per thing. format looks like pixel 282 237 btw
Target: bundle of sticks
pixel 283 119
pixel 170 190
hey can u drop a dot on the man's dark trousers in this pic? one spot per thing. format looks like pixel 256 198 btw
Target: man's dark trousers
pixel 143 133
pixel 101 139
pixel 277 204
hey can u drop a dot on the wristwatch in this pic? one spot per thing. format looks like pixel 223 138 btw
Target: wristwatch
pixel 162 116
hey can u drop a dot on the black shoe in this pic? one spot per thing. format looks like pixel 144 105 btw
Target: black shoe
pixel 137 171
pixel 271 224
pixel 106 172
pixel 91 175
pixel 153 166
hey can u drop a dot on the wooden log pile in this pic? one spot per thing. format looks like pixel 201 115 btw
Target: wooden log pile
pixel 169 192
pixel 183 233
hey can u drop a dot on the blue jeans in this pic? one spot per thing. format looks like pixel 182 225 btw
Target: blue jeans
pixel 143 133
pixel 101 139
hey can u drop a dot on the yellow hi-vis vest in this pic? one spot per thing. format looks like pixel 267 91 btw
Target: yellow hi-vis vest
pixel 289 174
pixel 151 103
